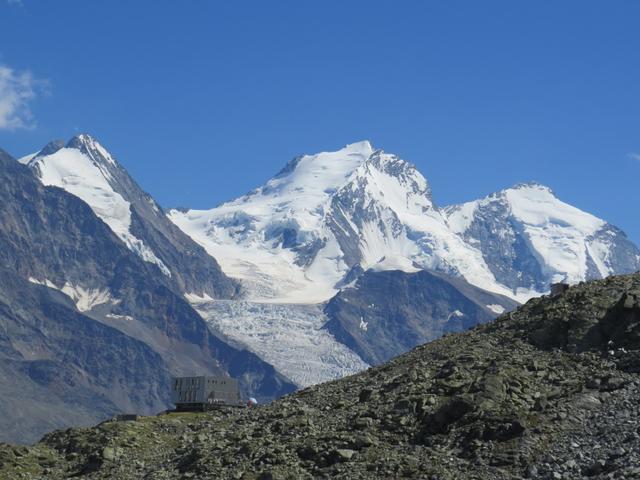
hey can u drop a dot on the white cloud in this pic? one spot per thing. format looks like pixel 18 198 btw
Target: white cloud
pixel 15 2
pixel 634 156
pixel 17 90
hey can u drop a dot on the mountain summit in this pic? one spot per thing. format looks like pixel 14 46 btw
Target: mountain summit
pixel 89 328
pixel 529 238
pixel 298 237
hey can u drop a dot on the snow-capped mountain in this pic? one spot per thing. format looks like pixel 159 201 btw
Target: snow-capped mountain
pixel 84 168
pixel 298 237
pixel 529 238
pixel 343 257
pixel 275 238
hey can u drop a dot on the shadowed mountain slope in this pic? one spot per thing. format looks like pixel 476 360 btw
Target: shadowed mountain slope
pixel 388 313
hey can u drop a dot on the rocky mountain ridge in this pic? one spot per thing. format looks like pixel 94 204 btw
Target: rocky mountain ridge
pixel 548 391
pixel 341 261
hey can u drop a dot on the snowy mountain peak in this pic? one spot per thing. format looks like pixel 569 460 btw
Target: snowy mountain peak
pixel 82 139
pixel 91 147
pixel 362 147
pixel 87 170
pixel 295 238
pixel 530 185
pixel 530 238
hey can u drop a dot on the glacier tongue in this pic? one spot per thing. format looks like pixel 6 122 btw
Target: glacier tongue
pixel 289 337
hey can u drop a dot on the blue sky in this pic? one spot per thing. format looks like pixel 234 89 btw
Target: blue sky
pixel 202 101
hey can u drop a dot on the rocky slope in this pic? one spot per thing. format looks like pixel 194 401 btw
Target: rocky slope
pixel 385 314
pixel 59 367
pixel 549 391
pixel 78 309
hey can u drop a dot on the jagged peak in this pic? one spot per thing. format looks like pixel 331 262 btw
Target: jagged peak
pixel 88 144
pixel 82 139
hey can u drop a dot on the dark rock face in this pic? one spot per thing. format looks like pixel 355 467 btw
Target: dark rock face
pixel 623 253
pixel 59 367
pixel 490 403
pixel 388 313
pixel 110 348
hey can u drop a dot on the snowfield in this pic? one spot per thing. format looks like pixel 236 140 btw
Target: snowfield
pixel 84 298
pixel 250 236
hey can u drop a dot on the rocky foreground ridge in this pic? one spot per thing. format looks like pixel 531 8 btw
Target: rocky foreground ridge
pixel 549 391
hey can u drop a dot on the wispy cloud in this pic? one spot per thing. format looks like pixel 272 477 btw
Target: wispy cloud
pixel 15 2
pixel 17 90
pixel 634 156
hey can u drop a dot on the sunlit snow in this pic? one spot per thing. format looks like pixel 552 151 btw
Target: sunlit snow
pixel 406 231
pixel 559 235
pixel 84 298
